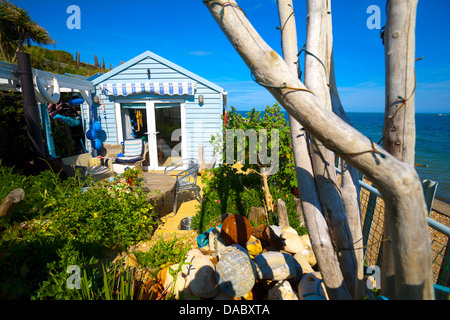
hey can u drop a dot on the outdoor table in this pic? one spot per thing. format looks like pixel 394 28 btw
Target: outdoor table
pixel 158 184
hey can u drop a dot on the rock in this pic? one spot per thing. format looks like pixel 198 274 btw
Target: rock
pixel 289 229
pixel 254 246
pixel 200 274
pixel 236 229
pixel 282 290
pixel 308 251
pixel 216 241
pixel 301 258
pixel 311 287
pixel 235 271
pixel 223 296
pixel 292 242
pixel 174 286
pixel 278 230
pixel 275 265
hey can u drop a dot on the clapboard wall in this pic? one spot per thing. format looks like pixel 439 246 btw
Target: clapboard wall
pixel 202 120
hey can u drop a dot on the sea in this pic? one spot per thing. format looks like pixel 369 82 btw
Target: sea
pixel 432 144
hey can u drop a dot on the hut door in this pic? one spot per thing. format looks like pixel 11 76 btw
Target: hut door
pixel 168 133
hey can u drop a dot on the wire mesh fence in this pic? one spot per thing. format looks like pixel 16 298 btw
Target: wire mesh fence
pixel 372 214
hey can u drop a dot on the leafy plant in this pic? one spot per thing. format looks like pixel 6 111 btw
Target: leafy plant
pixel 54 213
pixel 164 253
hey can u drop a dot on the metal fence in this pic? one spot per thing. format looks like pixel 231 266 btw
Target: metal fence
pixel 372 213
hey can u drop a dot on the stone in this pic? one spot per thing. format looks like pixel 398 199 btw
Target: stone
pixel 282 290
pixel 236 229
pixel 289 229
pixel 292 242
pixel 223 296
pixel 254 246
pixel 235 271
pixel 199 274
pixel 277 266
pixel 311 287
pixel 174 286
pixel 301 258
pixel 308 251
pixel 278 230
pixel 216 241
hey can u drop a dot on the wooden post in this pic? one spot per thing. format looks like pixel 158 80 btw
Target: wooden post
pixel 283 220
pixel 10 203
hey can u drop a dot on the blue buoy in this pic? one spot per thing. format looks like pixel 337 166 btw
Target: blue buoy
pixel 75 102
pixel 97 126
pixel 101 135
pixel 98 144
pixel 91 134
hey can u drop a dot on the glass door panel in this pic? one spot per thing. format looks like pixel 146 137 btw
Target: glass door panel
pixel 168 133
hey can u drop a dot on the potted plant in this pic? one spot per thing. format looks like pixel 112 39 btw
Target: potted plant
pixel 131 175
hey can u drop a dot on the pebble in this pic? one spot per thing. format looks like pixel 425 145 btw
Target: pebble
pixel 302 259
pixel 175 286
pixel 235 271
pixel 292 242
pixel 216 241
pixel 254 246
pixel 200 274
pixel 276 265
pixel 282 290
pixel 308 251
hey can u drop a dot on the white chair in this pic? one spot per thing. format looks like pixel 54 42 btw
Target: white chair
pixel 186 180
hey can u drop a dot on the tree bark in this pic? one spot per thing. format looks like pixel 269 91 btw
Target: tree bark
pixel 399 123
pixel 311 207
pixel 397 182
pixel 317 67
pixel 350 188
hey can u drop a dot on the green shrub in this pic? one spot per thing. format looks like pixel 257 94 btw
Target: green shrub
pixel 55 213
pixel 227 191
pixel 163 254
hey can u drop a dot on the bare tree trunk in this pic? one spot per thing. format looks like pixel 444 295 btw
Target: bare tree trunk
pixel 315 221
pixel 399 133
pixel 399 123
pixel 349 175
pixel 330 195
pixel 397 182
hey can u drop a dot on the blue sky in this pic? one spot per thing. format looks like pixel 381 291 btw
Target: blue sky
pixel 185 33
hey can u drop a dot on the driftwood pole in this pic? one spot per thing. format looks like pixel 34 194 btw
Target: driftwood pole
pixel 317 68
pixel 397 182
pixel 399 123
pixel 349 187
pixel 9 204
pixel 311 207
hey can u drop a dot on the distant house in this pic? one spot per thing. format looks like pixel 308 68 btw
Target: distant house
pixel 153 99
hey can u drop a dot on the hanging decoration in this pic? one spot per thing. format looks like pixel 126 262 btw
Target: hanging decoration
pixel 51 96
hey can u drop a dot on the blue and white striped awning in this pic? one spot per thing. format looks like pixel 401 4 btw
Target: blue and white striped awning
pixel 160 88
